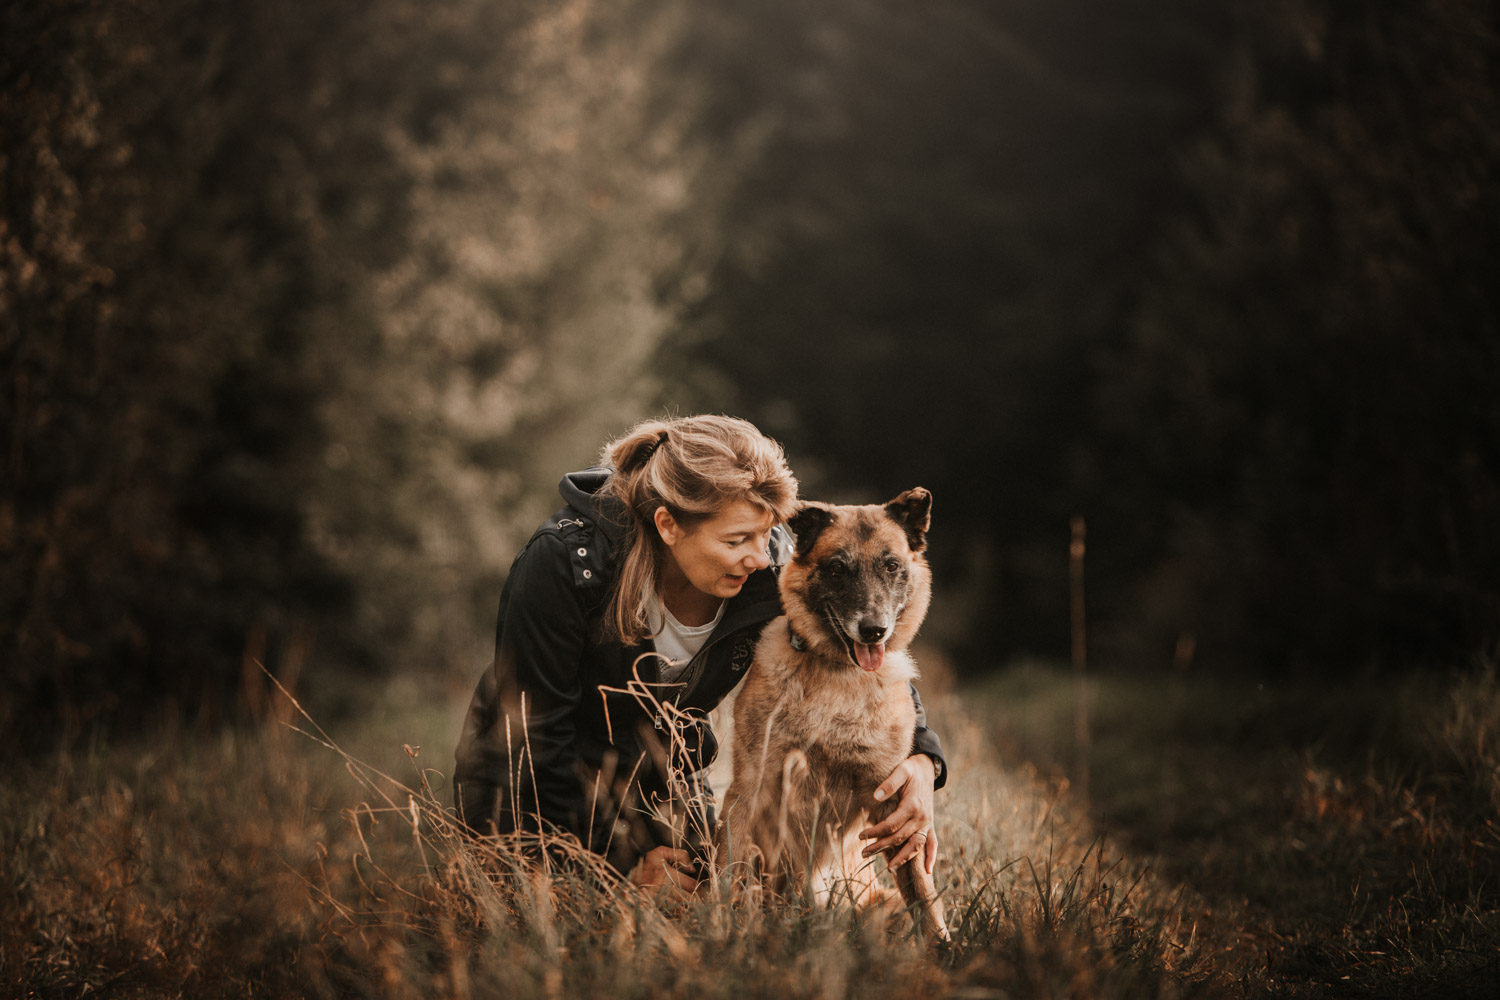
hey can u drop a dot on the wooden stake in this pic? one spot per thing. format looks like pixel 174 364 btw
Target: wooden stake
pixel 1080 657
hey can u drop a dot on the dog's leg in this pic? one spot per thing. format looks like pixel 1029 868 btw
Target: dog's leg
pixel 920 894
pixel 918 891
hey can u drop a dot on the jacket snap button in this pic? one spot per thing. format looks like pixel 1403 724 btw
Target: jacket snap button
pixel 583 552
pixel 588 574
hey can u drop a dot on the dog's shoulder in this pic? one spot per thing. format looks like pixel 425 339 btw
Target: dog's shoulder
pixel 773 651
pixel 770 668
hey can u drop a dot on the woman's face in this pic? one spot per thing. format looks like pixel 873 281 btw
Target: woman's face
pixel 717 555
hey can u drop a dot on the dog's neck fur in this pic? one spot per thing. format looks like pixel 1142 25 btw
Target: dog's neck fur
pixel 799 644
pixel 832 657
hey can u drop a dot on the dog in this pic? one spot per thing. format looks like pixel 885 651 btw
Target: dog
pixel 825 713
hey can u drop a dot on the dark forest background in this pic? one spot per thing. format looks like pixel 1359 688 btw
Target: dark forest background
pixel 305 306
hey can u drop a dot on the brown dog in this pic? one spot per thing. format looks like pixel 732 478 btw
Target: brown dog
pixel 825 713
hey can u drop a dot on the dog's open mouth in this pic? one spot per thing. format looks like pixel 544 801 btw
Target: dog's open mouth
pixel 866 655
pixel 869 656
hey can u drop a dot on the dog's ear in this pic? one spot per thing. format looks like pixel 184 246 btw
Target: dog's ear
pixel 807 524
pixel 913 511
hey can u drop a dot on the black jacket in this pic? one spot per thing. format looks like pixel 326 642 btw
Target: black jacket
pixel 594 706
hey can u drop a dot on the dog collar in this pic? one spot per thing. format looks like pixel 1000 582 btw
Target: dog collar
pixel 799 644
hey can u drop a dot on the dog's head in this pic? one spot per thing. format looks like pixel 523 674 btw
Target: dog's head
pixel 858 583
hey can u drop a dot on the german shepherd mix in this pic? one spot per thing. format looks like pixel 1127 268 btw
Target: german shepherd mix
pixel 825 713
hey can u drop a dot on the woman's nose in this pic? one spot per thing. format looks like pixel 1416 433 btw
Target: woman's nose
pixel 761 557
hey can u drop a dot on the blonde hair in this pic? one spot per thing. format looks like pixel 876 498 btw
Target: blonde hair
pixel 694 467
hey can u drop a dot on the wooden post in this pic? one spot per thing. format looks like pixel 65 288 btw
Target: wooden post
pixel 1080 658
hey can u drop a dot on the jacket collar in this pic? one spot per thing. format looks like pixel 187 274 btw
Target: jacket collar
pixel 580 490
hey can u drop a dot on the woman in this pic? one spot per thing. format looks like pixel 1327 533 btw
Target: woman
pixel 626 618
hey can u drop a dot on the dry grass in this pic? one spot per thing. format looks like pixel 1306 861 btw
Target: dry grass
pixel 270 864
pixel 1343 837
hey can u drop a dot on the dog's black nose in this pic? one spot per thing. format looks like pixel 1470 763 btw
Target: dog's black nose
pixel 871 634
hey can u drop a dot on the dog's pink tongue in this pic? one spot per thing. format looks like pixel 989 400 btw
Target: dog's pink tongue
pixel 870 656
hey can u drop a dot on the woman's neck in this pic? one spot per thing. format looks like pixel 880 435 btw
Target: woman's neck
pixel 688 604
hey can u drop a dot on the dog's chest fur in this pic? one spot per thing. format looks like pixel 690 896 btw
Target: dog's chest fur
pixel 843 719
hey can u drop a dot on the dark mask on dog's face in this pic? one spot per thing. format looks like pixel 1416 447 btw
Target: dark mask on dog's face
pixel 855 571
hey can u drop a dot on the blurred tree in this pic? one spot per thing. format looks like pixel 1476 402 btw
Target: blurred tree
pixel 1311 374
pixel 147 259
pixel 304 307
pixel 1216 277
pixel 303 310
pixel 948 214
pixel 560 213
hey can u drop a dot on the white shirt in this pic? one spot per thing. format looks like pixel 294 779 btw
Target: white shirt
pixel 677 642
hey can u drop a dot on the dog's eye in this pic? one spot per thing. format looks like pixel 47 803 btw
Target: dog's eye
pixel 835 568
pixel 893 566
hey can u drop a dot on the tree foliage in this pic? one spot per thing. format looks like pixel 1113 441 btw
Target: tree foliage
pixel 949 216
pixel 303 309
pixel 1315 360
pixel 1215 278
pixel 152 248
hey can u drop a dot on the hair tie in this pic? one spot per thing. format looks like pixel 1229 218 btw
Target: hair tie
pixel 651 448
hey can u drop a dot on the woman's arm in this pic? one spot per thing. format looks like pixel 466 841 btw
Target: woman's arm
pixel 534 686
pixel 925 741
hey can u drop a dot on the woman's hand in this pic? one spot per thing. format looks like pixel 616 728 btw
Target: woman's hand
pixel 910 825
pixel 665 866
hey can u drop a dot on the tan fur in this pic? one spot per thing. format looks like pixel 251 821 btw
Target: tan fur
pixel 814 734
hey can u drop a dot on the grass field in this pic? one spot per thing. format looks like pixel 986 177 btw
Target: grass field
pixel 1342 839
pixel 1237 840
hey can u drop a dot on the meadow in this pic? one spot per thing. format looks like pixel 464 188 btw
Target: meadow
pixel 1233 839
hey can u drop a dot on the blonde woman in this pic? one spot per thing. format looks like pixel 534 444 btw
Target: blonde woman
pixel 670 547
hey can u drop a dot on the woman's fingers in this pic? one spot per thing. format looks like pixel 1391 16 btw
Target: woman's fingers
pixel 665 866
pixel 909 826
pixel 682 880
pixel 894 782
pixel 907 842
pixel 915 845
pixel 903 836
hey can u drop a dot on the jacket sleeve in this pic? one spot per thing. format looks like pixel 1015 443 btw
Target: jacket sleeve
pixel 926 741
pixel 534 686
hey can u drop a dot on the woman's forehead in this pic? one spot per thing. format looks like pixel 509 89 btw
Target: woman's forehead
pixel 741 516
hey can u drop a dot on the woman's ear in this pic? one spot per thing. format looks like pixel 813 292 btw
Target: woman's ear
pixel 667 526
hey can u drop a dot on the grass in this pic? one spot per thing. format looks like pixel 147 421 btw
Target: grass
pixel 1344 838
pixel 1239 841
